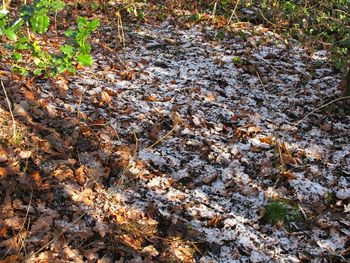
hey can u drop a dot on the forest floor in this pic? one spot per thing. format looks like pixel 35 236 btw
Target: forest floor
pixel 185 146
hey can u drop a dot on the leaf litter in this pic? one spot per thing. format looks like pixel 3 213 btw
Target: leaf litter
pixel 173 151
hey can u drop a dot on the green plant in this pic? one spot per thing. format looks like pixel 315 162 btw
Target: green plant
pixel 35 19
pixel 237 61
pixel 280 212
pixel 196 17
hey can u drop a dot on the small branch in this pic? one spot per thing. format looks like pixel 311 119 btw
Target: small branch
pixel 162 138
pixel 214 10
pixel 321 107
pixel 10 109
pixel 266 18
pixel 234 13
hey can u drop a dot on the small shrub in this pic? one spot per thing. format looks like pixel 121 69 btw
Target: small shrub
pixel 25 51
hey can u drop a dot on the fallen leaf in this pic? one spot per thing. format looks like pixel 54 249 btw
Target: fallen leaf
pixel 105 97
pixel 267 140
pixel 42 225
pixel 37 178
pixel 288 159
pixel 150 250
pixel 11 259
pixel 80 175
pixel 214 221
pixel 3 155
pixel 151 98
pixel 3 171
pixel 29 95
pixel 3 231
pixel 25 154
pixel 289 175
pixel 154 133
pixel 101 228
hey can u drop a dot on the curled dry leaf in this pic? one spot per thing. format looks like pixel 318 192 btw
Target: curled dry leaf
pixel 80 175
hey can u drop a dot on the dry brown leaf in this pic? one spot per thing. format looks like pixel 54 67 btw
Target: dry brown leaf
pixel 246 131
pixel 29 95
pixel 63 172
pixel 3 172
pixel 267 140
pixel 11 259
pixel 288 159
pixel 151 98
pixel 42 225
pixel 289 175
pixel 80 175
pixel 127 75
pixel 214 221
pixel 13 222
pixel 105 97
pixel 150 250
pixel 25 154
pixel 154 133
pixel 253 130
pixel 13 243
pixel 3 231
pixel 210 97
pixel 37 178
pixel 73 254
pixel 101 228
pixel 144 61
pixel 87 197
pixel 3 155
pixel 255 148
pixel 125 154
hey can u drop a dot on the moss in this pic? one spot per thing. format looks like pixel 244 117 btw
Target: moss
pixel 282 213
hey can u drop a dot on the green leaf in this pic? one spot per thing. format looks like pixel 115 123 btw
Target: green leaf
pixel 36 47
pixel 17 56
pixel 17 24
pixel 27 11
pixel 70 33
pixel 85 59
pixel 93 25
pixel 67 50
pixel 71 69
pixel 57 5
pixel 84 47
pixel 10 34
pixel 40 23
pixel 82 21
pixel 60 69
pixel 37 72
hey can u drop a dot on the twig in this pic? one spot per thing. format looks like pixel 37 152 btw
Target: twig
pixel 266 18
pixel 10 109
pixel 162 138
pixel 234 13
pixel 26 216
pixel 214 10
pixel 321 107
pixel 136 145
pixel 80 102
